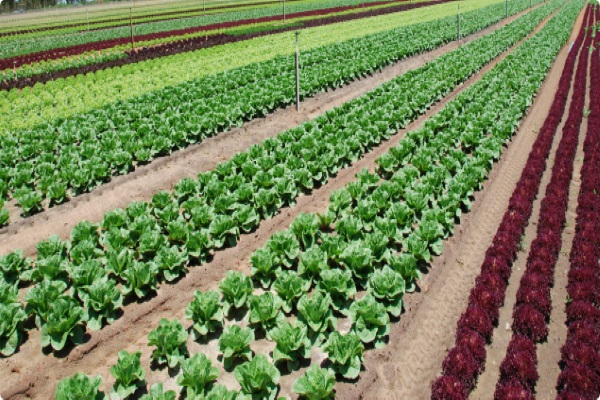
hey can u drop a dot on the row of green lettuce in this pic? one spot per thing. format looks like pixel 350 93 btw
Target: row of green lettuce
pixel 70 97
pixel 31 43
pixel 68 157
pixel 83 281
pixel 354 261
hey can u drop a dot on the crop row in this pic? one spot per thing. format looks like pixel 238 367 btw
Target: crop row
pixel 531 313
pixel 580 377
pixel 81 153
pixel 18 46
pixel 62 99
pixel 386 225
pixel 146 242
pixel 46 71
pixel 466 360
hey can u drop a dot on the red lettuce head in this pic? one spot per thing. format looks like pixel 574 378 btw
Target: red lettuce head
pixel 536 297
pixel 461 364
pixel 584 291
pixel 530 322
pixel 584 354
pixel 476 318
pixel 519 343
pixel 520 366
pixel 493 281
pixel 579 379
pixel 448 388
pixel 585 332
pixel 585 274
pixel 583 310
pixel 474 342
pixel 487 299
pixel 512 390
pixel 497 265
pixel 535 280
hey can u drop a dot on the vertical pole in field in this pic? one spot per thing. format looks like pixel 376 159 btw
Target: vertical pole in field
pixel 131 27
pixel 458 22
pixel 297 74
pixel 506 8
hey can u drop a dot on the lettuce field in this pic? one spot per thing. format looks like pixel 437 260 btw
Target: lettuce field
pixel 311 199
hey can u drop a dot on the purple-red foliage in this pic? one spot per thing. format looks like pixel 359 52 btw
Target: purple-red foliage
pixel 477 319
pixel 537 297
pixel 584 291
pixel 528 321
pixel 519 343
pixel 488 300
pixel 520 366
pixel 474 342
pixel 579 379
pixel 448 388
pixel 585 274
pixel 538 266
pixel 535 280
pixel 581 353
pixel 496 264
pixel 493 281
pixel 583 310
pixel 461 364
pixel 512 390
pixel 585 332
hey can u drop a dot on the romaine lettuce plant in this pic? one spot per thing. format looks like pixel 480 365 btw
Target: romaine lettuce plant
pixel 80 386
pixel 197 376
pixel 289 286
pixel 63 321
pixel 206 312
pixel 264 266
pixel 234 343
pixel 102 300
pixel 387 286
pixel 170 340
pixel 370 320
pixel 14 267
pixel 285 246
pixel 306 228
pixel 40 298
pixel 236 288
pixel 313 262
pixel 128 373
pixel 406 265
pixel 316 313
pixel 345 353
pixel 140 279
pixel 316 384
pixel 11 329
pixel 358 258
pixel 258 377
pixel 171 262
pixel 224 231
pixel 156 392
pixel 265 311
pixel 292 344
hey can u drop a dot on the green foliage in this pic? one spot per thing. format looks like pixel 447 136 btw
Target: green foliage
pixel 289 286
pixel 11 329
pixel 316 384
pixel 156 392
pixel 236 289
pixel 128 373
pixel 265 311
pixel 387 286
pixel 258 377
pixel 170 340
pixel 63 321
pixel 316 313
pixel 345 353
pixel 292 344
pixel 80 386
pixel 102 299
pixel 206 312
pixel 197 375
pixel 234 343
pixel 370 320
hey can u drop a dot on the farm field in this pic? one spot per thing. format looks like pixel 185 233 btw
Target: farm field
pixel 418 216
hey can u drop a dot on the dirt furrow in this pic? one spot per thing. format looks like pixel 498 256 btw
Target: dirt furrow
pixel 418 344
pixel 33 374
pixel 163 173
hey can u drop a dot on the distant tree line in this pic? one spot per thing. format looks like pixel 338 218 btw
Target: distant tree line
pixel 12 5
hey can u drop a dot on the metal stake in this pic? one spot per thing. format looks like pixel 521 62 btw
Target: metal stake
pixel 131 28
pixel 297 75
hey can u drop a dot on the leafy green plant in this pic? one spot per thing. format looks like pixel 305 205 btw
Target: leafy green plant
pixel 234 343
pixel 258 377
pixel 170 340
pixel 264 266
pixel 316 384
pixel 156 392
pixel 128 373
pixel 387 286
pixel 63 321
pixel 292 344
pixel 340 286
pixel 289 286
pixel 313 262
pixel 15 268
pixel 102 299
pixel 171 262
pixel 206 312
pixel 406 265
pixel 265 311
pixel 316 313
pixel 370 320
pixel 11 329
pixel 224 230
pixel 306 229
pixel 140 279
pixel 358 258
pixel 345 352
pixel 285 246
pixel 80 386
pixel 4 214
pixel 40 298
pixel 197 375
pixel 236 288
